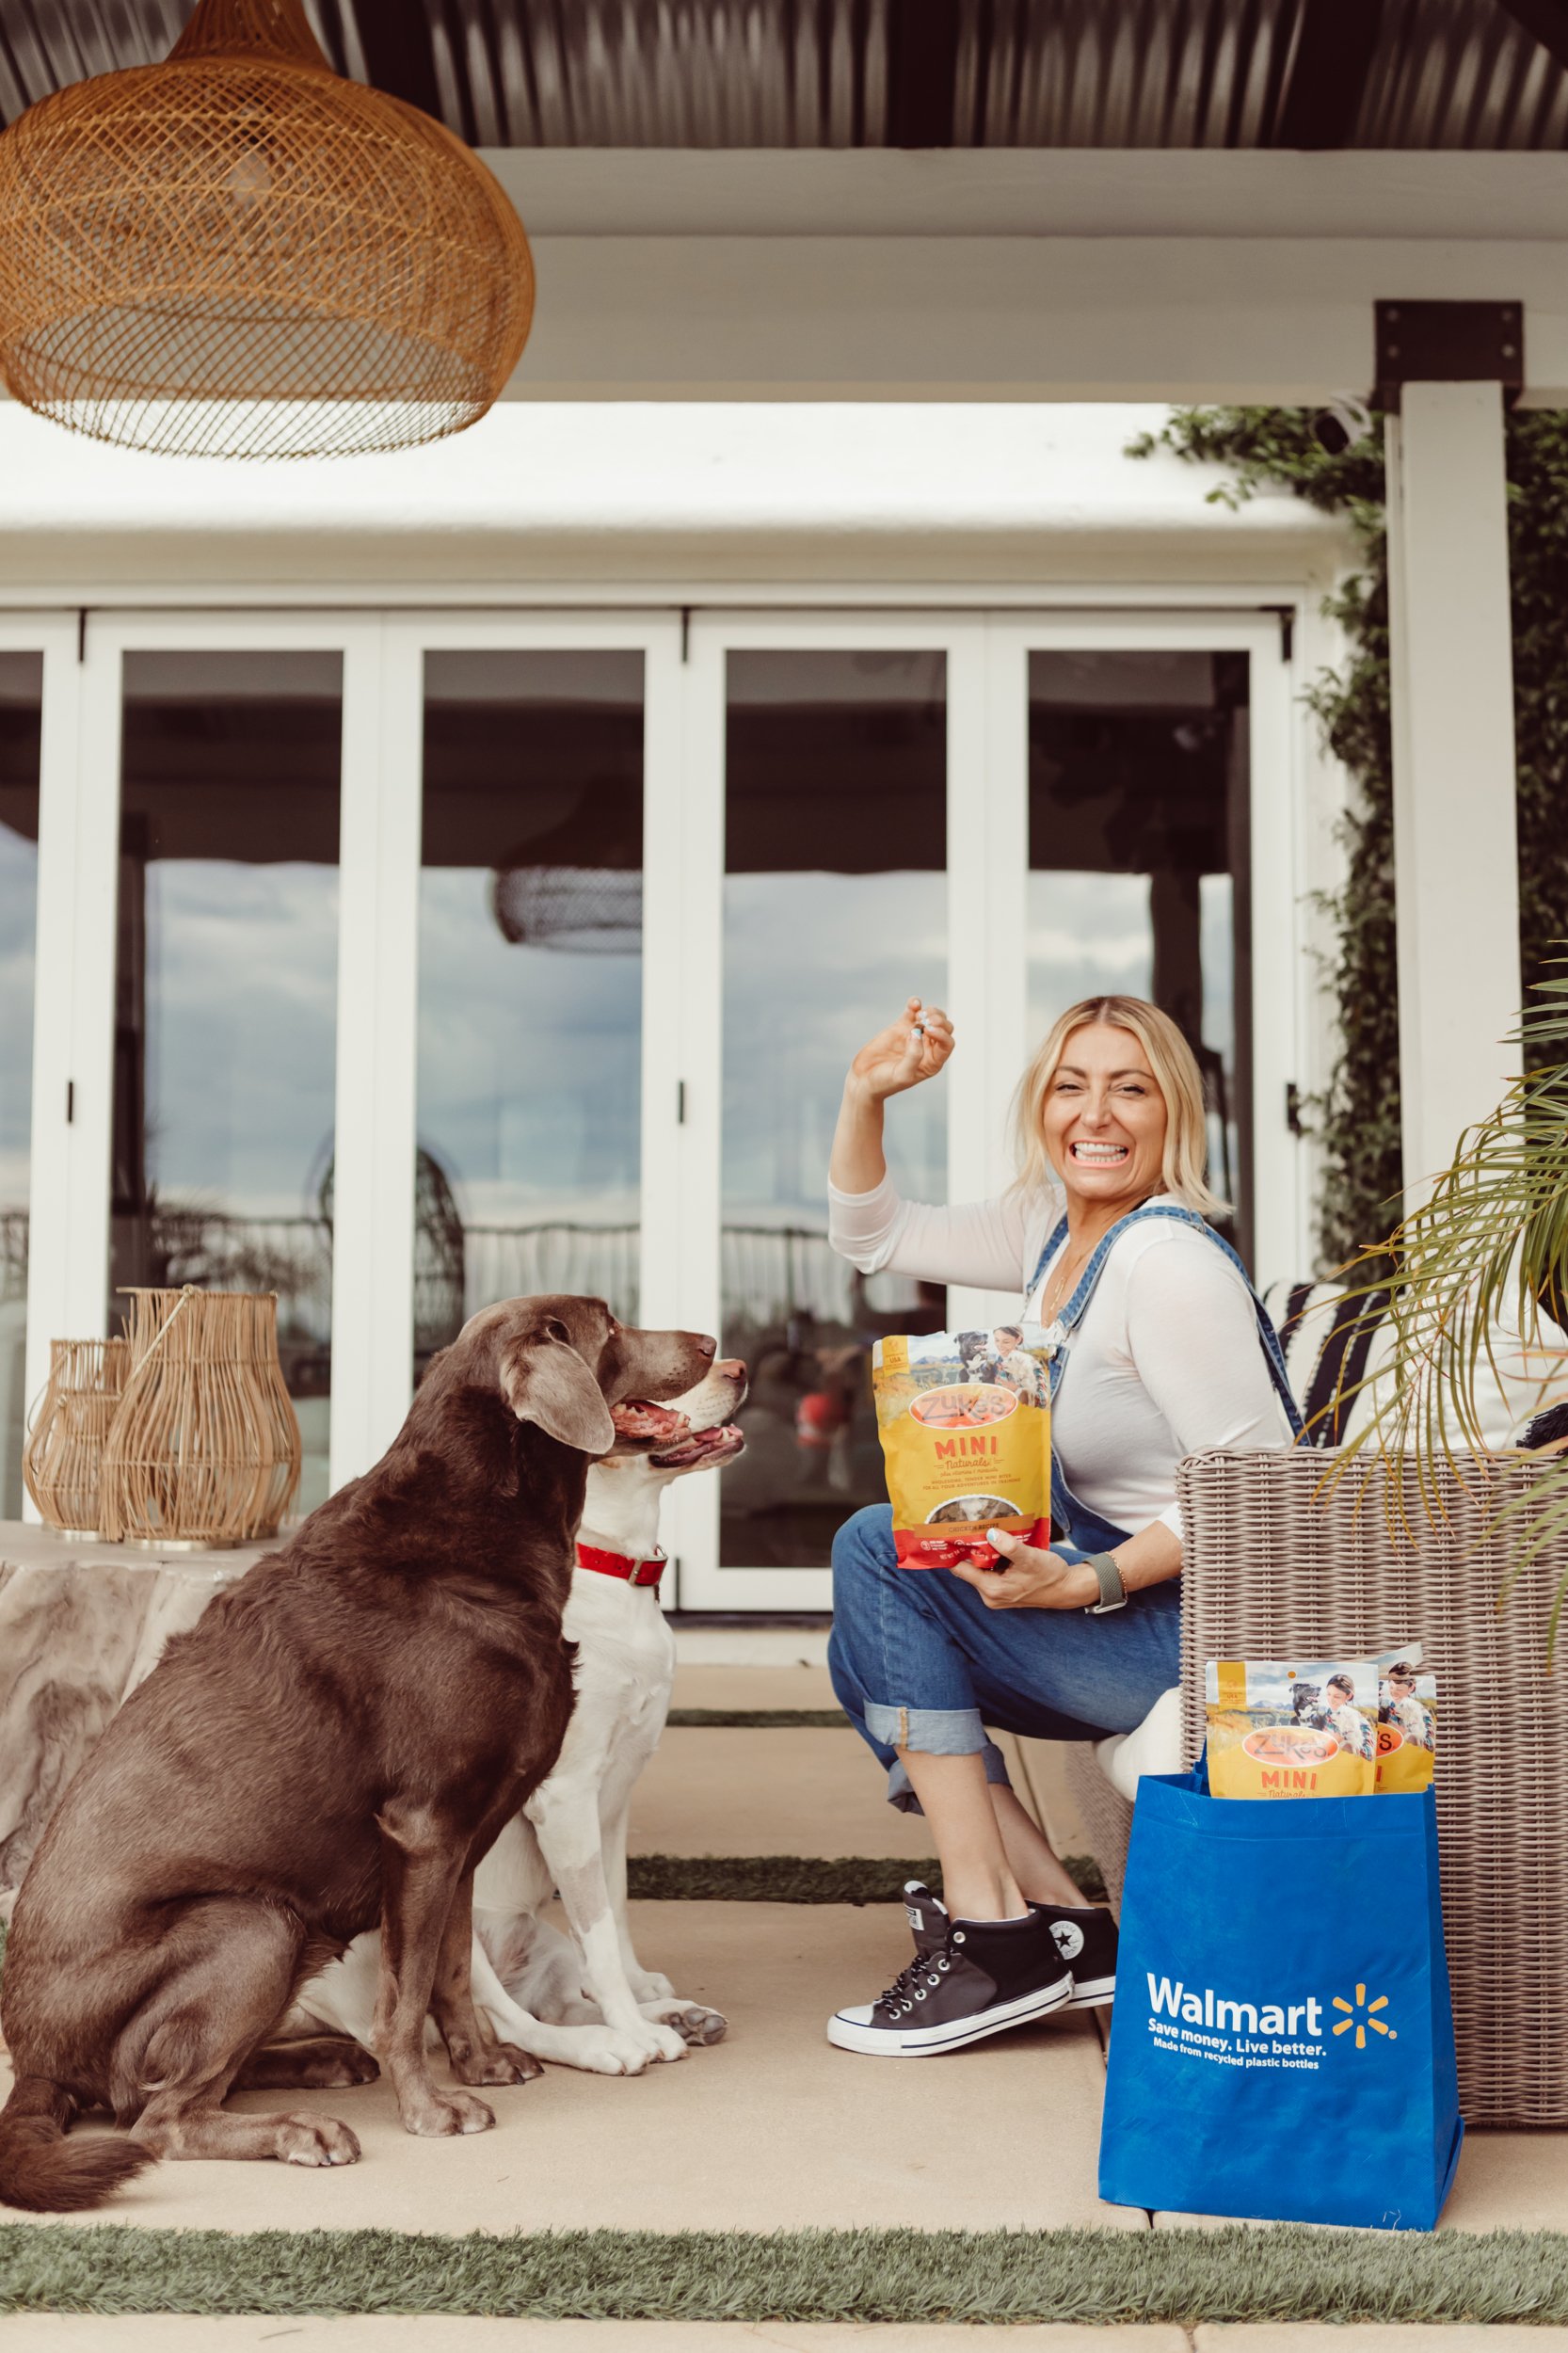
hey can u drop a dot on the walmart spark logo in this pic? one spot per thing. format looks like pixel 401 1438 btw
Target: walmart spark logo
pixel 1361 2013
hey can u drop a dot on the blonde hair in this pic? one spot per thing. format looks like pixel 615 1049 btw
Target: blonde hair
pixel 1184 1167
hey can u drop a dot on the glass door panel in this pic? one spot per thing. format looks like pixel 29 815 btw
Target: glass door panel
pixel 835 911
pixel 530 962
pixel 20 710
pixel 225 1013
pixel 1138 858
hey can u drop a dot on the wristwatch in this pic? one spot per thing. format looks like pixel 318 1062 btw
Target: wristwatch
pixel 1113 1591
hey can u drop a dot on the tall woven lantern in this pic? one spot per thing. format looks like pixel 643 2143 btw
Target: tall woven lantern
pixel 63 1458
pixel 239 253
pixel 204 1448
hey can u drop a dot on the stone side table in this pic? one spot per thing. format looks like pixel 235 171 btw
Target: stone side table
pixel 80 1625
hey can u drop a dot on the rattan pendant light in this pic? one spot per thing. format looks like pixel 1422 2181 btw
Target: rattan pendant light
pixel 238 253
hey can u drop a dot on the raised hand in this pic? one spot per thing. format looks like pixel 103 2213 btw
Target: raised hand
pixel 912 1049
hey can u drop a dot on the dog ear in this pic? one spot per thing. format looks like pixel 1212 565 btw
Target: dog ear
pixel 545 1381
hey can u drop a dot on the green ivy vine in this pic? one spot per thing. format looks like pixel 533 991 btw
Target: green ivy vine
pixel 1358 1118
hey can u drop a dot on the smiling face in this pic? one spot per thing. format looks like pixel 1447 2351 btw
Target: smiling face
pixel 1104 1118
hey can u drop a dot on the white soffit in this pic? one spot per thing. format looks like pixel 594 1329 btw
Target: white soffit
pixel 1035 192
pixel 1007 275
pixel 542 496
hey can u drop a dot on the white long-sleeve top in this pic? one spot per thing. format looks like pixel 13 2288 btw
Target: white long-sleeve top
pixel 1166 1359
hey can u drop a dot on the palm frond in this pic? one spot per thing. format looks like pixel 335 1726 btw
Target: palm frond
pixel 1475 1284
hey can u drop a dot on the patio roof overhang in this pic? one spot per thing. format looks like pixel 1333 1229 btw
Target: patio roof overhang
pixel 903 74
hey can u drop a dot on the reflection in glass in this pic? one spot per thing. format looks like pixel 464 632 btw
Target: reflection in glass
pixel 21 702
pixel 226 995
pixel 1138 777
pixel 530 1007
pixel 833 913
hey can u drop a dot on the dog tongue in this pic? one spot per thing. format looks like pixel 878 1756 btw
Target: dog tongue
pixel 637 1419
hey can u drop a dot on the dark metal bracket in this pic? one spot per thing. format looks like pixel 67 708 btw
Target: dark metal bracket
pixel 1449 343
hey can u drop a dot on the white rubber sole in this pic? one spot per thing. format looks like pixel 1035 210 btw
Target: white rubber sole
pixel 1093 1993
pixel 848 2034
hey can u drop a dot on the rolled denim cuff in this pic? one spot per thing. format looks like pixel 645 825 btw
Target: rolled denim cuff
pixel 934 1732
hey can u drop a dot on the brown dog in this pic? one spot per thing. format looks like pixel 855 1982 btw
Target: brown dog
pixel 333 1747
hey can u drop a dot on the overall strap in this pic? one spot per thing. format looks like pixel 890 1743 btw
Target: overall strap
pixel 1066 1322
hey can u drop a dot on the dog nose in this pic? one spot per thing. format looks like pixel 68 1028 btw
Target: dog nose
pixel 731 1367
pixel 704 1344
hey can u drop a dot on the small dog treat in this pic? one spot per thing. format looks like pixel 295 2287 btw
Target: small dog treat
pixel 964 1423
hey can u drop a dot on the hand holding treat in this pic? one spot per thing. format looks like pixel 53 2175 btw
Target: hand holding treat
pixel 1028 1576
pixel 913 1048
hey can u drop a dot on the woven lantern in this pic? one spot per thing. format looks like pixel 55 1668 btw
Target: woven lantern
pixel 204 1447
pixel 64 1455
pixel 239 253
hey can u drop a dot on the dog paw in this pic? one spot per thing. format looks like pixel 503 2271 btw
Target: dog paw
pixel 503 2064
pixel 601 2051
pixel 342 2071
pixel 691 2020
pixel 443 2115
pixel 651 1987
pixel 315 2140
pixel 667 2043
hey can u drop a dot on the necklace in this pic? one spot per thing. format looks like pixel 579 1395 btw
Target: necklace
pixel 1056 1292
pixel 1059 1290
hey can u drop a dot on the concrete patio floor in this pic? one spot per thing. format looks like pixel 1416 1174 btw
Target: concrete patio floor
pixel 769 2130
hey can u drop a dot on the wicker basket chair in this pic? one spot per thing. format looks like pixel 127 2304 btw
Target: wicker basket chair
pixel 1281 1564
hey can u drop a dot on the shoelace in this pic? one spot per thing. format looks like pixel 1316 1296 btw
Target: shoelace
pixel 906 1989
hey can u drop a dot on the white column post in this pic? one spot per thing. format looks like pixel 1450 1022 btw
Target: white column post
pixel 372 1175
pixel 1456 884
pixel 987 919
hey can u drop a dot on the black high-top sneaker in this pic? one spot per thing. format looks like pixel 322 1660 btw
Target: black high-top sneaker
pixel 1086 1940
pixel 975 1978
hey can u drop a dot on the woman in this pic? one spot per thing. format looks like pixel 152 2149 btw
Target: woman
pixel 1161 1347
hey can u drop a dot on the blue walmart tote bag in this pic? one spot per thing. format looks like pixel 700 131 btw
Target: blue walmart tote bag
pixel 1282 2046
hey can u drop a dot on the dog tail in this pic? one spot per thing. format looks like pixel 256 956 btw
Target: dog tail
pixel 43 2171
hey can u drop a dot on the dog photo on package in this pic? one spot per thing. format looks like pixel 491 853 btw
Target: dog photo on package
pixel 1291 1728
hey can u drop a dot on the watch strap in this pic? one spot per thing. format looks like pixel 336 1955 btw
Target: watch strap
pixel 1113 1591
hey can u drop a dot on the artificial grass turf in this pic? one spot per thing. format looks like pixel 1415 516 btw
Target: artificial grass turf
pixel 793 1879
pixel 1235 2274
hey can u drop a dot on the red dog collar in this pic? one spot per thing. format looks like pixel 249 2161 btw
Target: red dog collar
pixel 621 1565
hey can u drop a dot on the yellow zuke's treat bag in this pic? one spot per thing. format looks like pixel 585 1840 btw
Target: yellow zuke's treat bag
pixel 1407 1723
pixel 1291 1728
pixel 965 1422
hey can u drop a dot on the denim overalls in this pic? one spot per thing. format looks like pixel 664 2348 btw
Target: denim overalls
pixel 1073 1525
pixel 919 1661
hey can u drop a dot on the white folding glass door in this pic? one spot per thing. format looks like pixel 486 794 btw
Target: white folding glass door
pixel 825 823
pixel 401 962
pixel 198 985
pixel 341 978
pixel 38 789
pixel 1158 857
pixel 536 767
pixel 1001 813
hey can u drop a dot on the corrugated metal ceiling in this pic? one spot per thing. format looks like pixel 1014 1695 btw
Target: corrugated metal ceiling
pixel 1118 74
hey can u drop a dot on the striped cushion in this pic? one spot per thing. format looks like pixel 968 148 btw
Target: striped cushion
pixel 1336 1340
pixel 1327 1336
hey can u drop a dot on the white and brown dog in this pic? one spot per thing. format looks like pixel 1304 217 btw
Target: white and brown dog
pixel 585 2001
